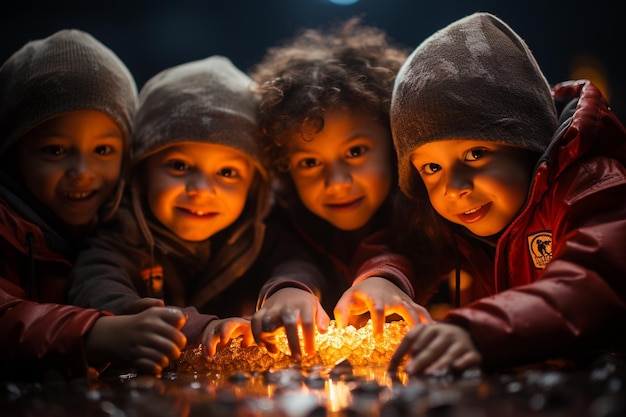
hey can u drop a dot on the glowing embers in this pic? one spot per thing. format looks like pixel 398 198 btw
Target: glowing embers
pixel 358 346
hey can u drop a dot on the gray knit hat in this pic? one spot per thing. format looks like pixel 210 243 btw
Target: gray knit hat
pixel 209 101
pixel 67 71
pixel 474 79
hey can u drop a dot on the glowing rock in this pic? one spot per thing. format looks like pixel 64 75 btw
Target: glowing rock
pixel 358 346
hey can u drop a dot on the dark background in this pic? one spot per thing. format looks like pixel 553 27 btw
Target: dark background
pixel 149 36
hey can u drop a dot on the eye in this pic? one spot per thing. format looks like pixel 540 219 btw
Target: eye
pixel 430 169
pixel 475 154
pixel 53 151
pixel 308 163
pixel 228 173
pixel 356 151
pixel 178 166
pixel 104 150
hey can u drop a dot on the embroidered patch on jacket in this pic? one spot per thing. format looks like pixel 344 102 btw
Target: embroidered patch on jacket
pixel 540 248
pixel 156 275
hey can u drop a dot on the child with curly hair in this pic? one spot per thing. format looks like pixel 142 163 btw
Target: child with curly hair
pixel 325 114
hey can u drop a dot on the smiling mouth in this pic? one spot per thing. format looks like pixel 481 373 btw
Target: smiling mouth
pixel 475 214
pixel 78 195
pixel 198 213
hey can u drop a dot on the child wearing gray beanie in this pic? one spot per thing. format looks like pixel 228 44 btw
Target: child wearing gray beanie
pixel 526 183
pixel 66 109
pixel 191 223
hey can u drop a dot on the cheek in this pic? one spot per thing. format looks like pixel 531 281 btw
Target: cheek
pixel 306 187
pixel 157 191
pixel 112 170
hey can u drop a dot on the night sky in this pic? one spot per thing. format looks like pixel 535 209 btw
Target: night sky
pixel 150 36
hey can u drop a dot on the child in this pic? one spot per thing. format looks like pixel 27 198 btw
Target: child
pixel 325 112
pixel 191 222
pixel 66 105
pixel 534 200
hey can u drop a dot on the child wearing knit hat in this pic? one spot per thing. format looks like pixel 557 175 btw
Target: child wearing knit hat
pixel 325 115
pixel 528 183
pixel 191 222
pixel 66 109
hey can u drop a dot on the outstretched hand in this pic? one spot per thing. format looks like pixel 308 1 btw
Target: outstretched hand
pixel 146 341
pixel 436 347
pixel 380 298
pixel 291 308
pixel 218 334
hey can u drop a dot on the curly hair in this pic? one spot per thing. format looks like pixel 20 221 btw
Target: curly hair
pixel 349 66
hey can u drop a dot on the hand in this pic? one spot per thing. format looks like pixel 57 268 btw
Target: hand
pixel 218 333
pixel 291 308
pixel 436 347
pixel 381 298
pixel 143 304
pixel 146 341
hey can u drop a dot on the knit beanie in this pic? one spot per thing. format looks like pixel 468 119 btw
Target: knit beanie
pixel 208 101
pixel 474 79
pixel 67 71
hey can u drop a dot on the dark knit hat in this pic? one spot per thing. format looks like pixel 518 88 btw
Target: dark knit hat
pixel 474 79
pixel 67 71
pixel 208 101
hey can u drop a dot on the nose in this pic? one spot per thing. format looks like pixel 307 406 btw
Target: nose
pixel 459 182
pixel 338 177
pixel 199 184
pixel 80 167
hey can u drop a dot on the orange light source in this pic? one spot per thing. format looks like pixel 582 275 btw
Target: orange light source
pixel 357 346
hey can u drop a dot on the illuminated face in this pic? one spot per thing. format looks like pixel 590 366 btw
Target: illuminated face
pixel 477 184
pixel 343 174
pixel 71 163
pixel 197 189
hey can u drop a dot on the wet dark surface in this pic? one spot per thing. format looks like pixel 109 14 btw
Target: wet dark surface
pixel 597 389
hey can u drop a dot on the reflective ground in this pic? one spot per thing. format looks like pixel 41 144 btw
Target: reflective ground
pixel 597 389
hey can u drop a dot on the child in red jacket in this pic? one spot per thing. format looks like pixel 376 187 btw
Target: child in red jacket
pixel 66 109
pixel 529 184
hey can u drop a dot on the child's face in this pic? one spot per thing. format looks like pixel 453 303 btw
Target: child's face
pixel 71 163
pixel 197 189
pixel 477 184
pixel 344 173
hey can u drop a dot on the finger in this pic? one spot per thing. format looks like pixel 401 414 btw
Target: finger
pixel 144 304
pixel 264 323
pixel 407 311
pixel 257 324
pixel 172 334
pixel 290 321
pixel 377 315
pixel 321 319
pixel 173 316
pixel 271 321
pixel 308 331
pixel 246 338
pixel 152 354
pixel 424 315
pixel 467 360
pixel 269 341
pixel 404 347
pixel 146 366
pixel 211 342
pixel 429 352
pixel 341 313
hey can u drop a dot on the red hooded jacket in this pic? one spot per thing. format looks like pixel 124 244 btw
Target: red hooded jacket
pixel 560 268
pixel 38 331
